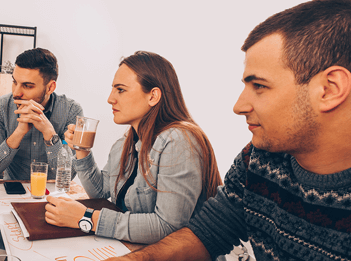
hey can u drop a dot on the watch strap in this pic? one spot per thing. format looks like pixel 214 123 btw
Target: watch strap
pixel 54 139
pixel 89 213
pixel 85 223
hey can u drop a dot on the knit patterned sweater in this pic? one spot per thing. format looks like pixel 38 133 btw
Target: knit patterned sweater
pixel 286 212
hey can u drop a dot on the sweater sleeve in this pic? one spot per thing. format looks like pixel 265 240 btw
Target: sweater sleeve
pixel 221 223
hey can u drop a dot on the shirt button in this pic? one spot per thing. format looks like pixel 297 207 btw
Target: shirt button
pixel 5 152
pixel 34 143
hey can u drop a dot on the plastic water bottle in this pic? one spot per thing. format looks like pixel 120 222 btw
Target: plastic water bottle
pixel 64 165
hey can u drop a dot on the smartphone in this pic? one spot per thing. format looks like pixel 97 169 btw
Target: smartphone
pixel 14 188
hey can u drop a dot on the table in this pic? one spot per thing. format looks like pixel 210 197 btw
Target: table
pixel 67 249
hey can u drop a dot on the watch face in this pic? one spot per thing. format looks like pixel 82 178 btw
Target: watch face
pixel 55 139
pixel 85 225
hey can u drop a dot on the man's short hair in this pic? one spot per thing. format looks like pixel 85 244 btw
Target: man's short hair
pixel 41 59
pixel 316 35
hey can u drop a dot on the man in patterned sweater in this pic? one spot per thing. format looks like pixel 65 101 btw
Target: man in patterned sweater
pixel 289 190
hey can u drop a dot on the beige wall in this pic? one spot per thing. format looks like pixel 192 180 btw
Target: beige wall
pixel 5 83
pixel 201 38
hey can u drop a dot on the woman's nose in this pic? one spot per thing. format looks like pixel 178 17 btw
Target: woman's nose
pixel 111 100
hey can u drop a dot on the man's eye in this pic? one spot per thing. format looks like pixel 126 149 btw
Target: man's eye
pixel 259 86
pixel 120 90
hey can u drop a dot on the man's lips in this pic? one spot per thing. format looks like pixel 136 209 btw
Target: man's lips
pixel 115 110
pixel 253 126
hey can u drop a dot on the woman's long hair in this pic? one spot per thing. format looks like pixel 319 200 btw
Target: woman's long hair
pixel 152 70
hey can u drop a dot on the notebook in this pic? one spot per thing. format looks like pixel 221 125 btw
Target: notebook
pixel 32 214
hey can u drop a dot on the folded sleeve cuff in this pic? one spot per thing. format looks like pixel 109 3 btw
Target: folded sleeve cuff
pixel 84 164
pixel 107 223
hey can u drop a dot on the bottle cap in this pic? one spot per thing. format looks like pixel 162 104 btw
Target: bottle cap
pixel 64 142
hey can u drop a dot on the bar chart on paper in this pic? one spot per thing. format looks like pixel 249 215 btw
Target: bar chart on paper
pixel 84 248
pixel 64 249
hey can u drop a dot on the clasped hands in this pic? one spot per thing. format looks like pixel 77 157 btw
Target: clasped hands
pixel 31 114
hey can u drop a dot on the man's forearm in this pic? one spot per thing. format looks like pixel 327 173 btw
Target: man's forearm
pixel 15 139
pixel 181 245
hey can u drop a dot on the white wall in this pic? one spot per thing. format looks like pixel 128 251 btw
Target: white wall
pixel 202 39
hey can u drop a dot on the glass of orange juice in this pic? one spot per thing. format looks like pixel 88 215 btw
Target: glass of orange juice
pixel 38 176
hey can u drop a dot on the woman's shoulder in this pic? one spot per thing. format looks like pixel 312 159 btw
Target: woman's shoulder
pixel 118 145
pixel 178 135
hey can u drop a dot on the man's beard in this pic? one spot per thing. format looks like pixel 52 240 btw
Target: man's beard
pixel 301 136
pixel 39 99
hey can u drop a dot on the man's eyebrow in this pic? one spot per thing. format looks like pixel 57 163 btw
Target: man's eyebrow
pixel 251 78
pixel 24 83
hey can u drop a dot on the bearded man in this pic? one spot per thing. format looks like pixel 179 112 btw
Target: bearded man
pixel 33 118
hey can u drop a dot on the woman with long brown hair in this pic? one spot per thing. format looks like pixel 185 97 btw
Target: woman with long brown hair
pixel 160 173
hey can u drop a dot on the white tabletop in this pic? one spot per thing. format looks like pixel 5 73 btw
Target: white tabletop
pixel 64 249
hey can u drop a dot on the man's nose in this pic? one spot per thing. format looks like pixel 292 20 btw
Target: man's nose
pixel 243 105
pixel 16 91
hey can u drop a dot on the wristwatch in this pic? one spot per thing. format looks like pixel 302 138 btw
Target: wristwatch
pixel 54 139
pixel 85 223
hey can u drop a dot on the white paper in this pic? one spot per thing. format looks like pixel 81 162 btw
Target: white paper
pixel 83 248
pixel 20 222
pixel 6 244
pixel 232 256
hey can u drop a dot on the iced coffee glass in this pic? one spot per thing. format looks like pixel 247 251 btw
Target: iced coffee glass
pixel 38 177
pixel 84 134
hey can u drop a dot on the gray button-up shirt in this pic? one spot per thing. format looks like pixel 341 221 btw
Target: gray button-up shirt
pixel 15 163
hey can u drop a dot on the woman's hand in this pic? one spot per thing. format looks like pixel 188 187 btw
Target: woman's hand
pixel 69 135
pixel 64 212
pixel 69 139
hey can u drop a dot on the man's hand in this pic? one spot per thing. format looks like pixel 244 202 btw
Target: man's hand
pixel 181 245
pixel 32 115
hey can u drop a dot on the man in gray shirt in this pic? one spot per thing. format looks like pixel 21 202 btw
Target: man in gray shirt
pixel 33 118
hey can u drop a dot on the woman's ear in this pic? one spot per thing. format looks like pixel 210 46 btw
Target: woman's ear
pixel 155 96
pixel 336 87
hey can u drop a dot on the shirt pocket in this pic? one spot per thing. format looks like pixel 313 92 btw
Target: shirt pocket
pixel 147 199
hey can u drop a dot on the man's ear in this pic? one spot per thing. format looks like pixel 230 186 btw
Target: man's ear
pixel 51 87
pixel 337 86
pixel 155 96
